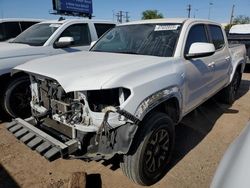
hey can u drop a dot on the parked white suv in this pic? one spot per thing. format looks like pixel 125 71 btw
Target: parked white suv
pixel 41 40
pixel 11 27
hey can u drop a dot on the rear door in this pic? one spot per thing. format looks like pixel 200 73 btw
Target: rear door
pixel 221 58
pixel 199 71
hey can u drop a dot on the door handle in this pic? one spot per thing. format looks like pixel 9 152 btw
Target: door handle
pixel 228 58
pixel 211 65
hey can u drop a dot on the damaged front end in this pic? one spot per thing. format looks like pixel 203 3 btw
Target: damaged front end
pixel 92 118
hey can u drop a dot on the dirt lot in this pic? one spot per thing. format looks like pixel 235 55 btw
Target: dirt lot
pixel 202 138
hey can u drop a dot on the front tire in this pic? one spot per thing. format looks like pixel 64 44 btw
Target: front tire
pixel 147 162
pixel 17 98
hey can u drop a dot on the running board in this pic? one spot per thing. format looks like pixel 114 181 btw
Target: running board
pixel 40 141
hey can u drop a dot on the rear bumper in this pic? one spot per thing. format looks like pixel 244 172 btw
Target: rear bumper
pixel 43 143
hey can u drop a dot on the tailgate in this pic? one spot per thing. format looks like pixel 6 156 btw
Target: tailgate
pixel 43 143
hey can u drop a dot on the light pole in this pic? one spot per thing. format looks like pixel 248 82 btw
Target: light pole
pixel 113 11
pixel 196 10
pixel 209 11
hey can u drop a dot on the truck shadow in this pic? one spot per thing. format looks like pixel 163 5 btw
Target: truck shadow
pixel 6 181
pixel 196 125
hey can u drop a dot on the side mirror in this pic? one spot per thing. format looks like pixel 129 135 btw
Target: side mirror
pixel 200 49
pixel 92 44
pixel 64 42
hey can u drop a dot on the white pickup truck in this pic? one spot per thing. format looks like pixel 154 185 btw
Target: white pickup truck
pixel 127 94
pixel 41 40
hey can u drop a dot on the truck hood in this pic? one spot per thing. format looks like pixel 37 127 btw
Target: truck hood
pixel 11 50
pixel 90 70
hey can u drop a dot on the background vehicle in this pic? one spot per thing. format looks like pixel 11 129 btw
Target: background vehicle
pixel 240 34
pixel 41 40
pixel 138 81
pixel 11 27
pixel 234 170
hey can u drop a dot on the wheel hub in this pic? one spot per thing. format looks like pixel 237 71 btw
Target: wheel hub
pixel 157 151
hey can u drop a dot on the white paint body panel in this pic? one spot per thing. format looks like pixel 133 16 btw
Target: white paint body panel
pixel 240 29
pixel 143 75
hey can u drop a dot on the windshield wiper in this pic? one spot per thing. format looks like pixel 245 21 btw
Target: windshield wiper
pixel 17 42
pixel 128 52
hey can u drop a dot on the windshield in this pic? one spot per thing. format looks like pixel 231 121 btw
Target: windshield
pixel 37 34
pixel 142 39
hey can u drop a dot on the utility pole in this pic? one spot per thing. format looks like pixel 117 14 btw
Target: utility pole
pixel 127 17
pixel 232 15
pixel 120 15
pixel 189 10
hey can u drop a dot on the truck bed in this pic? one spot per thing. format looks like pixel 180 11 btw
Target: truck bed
pixel 240 39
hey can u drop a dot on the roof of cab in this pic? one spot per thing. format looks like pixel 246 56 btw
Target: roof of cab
pixel 78 21
pixel 20 19
pixel 168 20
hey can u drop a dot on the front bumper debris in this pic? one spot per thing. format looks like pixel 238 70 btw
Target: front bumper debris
pixel 40 141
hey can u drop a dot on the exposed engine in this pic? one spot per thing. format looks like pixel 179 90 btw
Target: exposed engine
pixel 85 108
pixel 55 101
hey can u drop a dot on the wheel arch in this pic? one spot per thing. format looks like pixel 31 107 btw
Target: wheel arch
pixel 240 67
pixel 171 107
pixel 168 101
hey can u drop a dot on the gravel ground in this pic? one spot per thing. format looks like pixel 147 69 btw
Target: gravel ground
pixel 202 139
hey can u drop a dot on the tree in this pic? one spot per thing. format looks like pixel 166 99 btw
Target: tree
pixel 151 14
pixel 241 19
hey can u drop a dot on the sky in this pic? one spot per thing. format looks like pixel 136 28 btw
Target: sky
pixel 220 10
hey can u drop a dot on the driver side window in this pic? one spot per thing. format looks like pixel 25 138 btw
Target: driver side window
pixel 79 32
pixel 196 34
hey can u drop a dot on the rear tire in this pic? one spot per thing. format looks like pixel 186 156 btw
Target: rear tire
pixel 151 151
pixel 17 98
pixel 229 93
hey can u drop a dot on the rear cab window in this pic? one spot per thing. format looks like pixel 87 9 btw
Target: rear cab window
pixel 11 29
pixel 102 28
pixel 217 37
pixel 197 33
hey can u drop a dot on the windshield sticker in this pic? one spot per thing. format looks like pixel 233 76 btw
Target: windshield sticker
pixel 166 27
pixel 55 25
